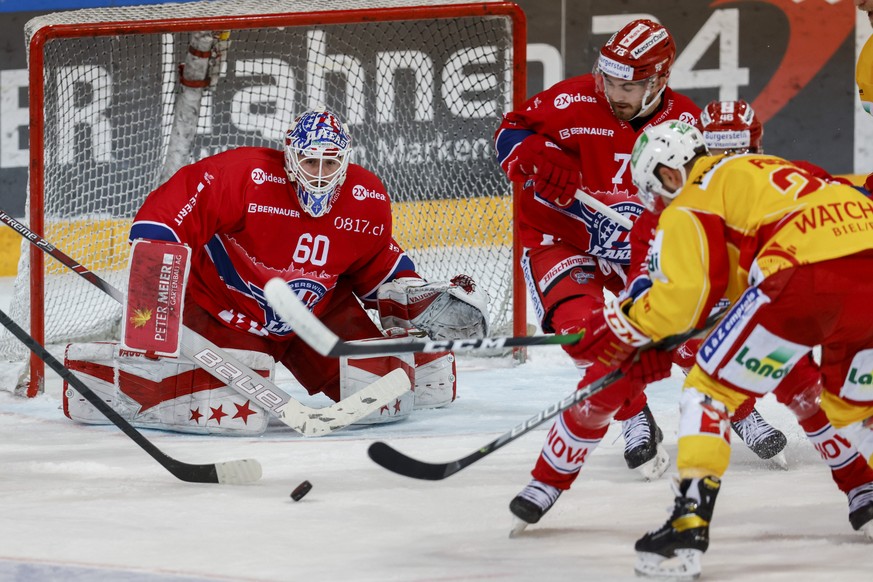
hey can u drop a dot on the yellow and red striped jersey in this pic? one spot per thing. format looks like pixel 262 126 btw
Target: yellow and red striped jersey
pixel 737 220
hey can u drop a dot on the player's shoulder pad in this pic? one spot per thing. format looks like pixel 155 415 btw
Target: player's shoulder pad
pixel 259 165
pixel 579 90
pixel 365 185
pixel 682 104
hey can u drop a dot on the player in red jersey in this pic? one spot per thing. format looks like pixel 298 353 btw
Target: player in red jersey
pixel 578 135
pixel 309 216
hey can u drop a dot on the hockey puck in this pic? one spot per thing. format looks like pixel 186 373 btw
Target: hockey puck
pixel 301 490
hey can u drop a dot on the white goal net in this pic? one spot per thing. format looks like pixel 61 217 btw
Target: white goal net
pixel 422 85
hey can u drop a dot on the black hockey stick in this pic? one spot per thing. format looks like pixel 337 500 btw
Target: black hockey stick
pixel 62 258
pixel 233 472
pixel 390 458
pixel 324 341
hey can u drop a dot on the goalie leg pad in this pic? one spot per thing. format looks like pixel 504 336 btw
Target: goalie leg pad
pixel 164 393
pixel 358 373
pixel 436 379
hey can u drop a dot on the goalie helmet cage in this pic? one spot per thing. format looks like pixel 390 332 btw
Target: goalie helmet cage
pixel 421 83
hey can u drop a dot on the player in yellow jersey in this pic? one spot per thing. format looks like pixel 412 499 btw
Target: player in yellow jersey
pixel 774 240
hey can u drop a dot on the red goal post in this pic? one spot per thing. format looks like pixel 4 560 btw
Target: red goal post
pixel 421 83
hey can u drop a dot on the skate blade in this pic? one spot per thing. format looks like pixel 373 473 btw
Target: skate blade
pixel 685 565
pixel 518 526
pixel 656 466
pixel 867 530
pixel 779 461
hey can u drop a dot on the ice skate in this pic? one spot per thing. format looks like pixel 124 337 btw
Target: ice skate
pixel 861 509
pixel 642 445
pixel 674 551
pixel 531 504
pixel 764 440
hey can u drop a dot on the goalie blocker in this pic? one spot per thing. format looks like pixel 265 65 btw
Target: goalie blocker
pixel 157 279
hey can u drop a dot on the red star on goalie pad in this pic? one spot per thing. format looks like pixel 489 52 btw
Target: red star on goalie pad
pixel 217 413
pixel 397 406
pixel 243 411
pixel 196 415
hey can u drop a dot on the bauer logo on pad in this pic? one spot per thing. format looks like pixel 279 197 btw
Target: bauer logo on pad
pixel 155 298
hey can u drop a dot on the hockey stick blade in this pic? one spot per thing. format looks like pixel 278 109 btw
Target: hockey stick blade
pixel 347 411
pixel 227 368
pixel 324 341
pixel 390 458
pixel 229 472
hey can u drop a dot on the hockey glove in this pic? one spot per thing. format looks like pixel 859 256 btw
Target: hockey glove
pixel 556 175
pixel 651 366
pixel 613 341
pixel 445 310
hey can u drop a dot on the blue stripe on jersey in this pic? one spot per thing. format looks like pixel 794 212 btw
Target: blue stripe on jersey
pixel 152 231
pixel 225 267
pixel 507 140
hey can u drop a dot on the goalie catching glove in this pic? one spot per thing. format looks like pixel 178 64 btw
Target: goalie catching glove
pixel 443 310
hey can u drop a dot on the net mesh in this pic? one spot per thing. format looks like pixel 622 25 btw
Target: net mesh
pixel 422 98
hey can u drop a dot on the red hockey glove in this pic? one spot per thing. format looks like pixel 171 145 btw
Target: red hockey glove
pixel 556 175
pixel 609 338
pixel 651 366
pixel 686 355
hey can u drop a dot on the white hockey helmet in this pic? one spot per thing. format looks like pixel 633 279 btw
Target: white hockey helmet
pixel 318 148
pixel 672 144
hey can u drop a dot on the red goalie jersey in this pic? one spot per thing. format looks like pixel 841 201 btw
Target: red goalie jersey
pixel 576 116
pixel 243 221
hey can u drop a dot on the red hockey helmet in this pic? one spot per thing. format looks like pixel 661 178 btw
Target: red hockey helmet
pixel 731 125
pixel 641 49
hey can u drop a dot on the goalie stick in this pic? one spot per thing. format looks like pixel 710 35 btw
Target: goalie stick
pixel 324 341
pixel 227 368
pixel 228 472
pixel 390 458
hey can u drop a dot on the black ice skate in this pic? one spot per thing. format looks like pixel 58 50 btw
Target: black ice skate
pixel 531 504
pixel 674 551
pixel 764 440
pixel 861 509
pixel 642 448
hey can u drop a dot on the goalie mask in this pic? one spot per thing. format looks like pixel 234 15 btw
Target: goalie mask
pixel 731 126
pixel 641 53
pixel 672 144
pixel 317 151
